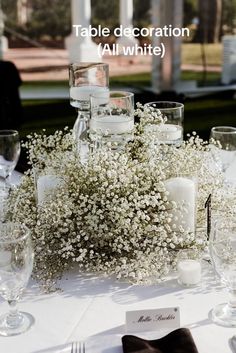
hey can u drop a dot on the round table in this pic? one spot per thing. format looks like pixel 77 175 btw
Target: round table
pixel 93 308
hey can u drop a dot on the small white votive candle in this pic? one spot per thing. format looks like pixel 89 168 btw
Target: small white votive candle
pixel 189 272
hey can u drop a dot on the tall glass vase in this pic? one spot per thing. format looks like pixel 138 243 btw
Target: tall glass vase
pixel 84 80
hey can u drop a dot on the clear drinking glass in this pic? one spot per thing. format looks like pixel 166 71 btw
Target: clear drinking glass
pixel 9 152
pixel 171 132
pixel 222 247
pixel 224 153
pixel 16 263
pixel 84 80
pixel 112 120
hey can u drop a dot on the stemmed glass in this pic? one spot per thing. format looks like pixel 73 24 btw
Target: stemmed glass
pixel 223 253
pixel 84 80
pixel 224 153
pixel 16 263
pixel 9 152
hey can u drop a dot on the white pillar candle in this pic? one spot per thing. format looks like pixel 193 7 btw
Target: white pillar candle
pixel 46 185
pixel 113 124
pixel 189 272
pixel 83 93
pixel 183 191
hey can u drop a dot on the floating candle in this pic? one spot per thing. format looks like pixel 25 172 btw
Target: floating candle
pixel 170 132
pixel 112 124
pixel 166 133
pixel 83 93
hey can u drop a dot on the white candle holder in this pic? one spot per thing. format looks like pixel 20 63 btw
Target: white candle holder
pixel 189 267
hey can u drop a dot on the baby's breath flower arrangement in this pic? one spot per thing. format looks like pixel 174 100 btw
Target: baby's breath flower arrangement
pixel 111 215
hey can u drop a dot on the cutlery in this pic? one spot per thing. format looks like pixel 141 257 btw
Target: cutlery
pixel 78 347
pixel 81 347
pixel 74 347
pixel 232 343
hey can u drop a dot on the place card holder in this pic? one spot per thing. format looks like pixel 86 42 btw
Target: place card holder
pixel 153 319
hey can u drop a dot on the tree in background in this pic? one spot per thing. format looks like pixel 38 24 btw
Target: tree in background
pixel 10 10
pixel 142 13
pixel 53 18
pixel 105 13
pixel 210 16
pixel 190 11
pixel 229 16
pixel 50 18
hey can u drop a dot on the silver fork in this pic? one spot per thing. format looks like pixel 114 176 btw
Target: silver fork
pixel 81 347
pixel 74 347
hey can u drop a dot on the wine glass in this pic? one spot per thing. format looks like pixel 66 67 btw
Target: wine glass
pixel 223 153
pixel 9 153
pixel 16 263
pixel 223 253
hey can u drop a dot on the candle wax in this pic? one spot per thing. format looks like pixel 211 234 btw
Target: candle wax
pixel 83 93
pixel 166 132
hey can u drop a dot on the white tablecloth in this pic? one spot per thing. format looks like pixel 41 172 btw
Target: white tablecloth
pixel 93 308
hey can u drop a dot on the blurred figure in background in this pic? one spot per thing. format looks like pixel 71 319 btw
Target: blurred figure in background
pixel 11 112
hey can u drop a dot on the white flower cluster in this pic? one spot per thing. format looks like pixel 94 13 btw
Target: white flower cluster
pixel 111 215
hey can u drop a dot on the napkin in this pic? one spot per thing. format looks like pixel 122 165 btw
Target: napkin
pixel 178 341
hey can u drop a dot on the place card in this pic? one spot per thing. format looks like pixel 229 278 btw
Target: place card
pixel 152 319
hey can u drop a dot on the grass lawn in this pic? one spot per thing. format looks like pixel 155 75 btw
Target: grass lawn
pixel 139 80
pixel 191 54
